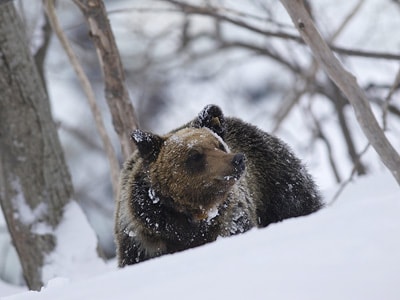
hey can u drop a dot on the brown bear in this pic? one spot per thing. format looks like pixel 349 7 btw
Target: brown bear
pixel 212 177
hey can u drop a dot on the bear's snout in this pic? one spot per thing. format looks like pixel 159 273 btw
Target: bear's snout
pixel 238 161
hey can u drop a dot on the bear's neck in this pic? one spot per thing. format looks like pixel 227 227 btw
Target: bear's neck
pixel 161 217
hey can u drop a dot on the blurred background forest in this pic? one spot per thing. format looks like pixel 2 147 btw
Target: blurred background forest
pixel 244 56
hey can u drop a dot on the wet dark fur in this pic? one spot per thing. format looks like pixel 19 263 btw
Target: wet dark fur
pixel 275 186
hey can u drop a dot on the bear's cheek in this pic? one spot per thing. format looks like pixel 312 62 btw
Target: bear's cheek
pixel 167 178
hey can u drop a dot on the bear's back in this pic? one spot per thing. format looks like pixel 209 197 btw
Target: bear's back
pixel 280 183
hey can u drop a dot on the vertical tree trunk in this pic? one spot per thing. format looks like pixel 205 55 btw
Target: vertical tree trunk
pixel 116 91
pixel 35 184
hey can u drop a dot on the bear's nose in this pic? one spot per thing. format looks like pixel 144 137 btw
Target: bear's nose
pixel 238 162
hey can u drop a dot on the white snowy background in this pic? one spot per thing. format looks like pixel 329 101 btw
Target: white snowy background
pixel 348 250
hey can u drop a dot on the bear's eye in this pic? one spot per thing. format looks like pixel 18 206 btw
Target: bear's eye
pixel 195 156
pixel 195 161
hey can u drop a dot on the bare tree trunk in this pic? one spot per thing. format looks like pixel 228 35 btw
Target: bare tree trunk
pixel 116 91
pixel 346 82
pixel 90 95
pixel 35 184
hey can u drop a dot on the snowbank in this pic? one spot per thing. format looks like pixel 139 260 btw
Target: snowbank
pixel 75 255
pixel 8 289
pixel 349 250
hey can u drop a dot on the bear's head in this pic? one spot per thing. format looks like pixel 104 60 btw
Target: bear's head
pixel 192 166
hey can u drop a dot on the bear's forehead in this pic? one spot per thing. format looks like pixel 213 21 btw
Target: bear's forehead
pixel 190 137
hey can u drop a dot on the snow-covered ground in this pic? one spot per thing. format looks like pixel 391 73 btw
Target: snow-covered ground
pixel 348 250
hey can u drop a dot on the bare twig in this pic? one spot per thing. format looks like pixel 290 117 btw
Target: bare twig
pixel 287 105
pixel 346 182
pixel 264 51
pixel 213 12
pixel 322 136
pixel 112 157
pixel 339 102
pixel 366 54
pixel 390 107
pixel 117 96
pixel 347 84
pixel 346 20
pixel 220 9
pixel 386 103
pixel 80 135
pixel 309 80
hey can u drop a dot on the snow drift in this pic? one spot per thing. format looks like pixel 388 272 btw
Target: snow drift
pixel 349 250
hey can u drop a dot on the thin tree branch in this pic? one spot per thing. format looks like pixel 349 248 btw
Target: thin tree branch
pixel 322 136
pixel 339 102
pixel 335 96
pixel 386 103
pixel 350 179
pixel 390 108
pixel 79 135
pixel 346 20
pixel 287 105
pixel 116 91
pixel 347 84
pixel 214 12
pixel 111 155
pixel 364 53
pixel 264 51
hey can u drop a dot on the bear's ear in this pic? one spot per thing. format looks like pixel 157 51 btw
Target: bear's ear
pixel 212 118
pixel 148 144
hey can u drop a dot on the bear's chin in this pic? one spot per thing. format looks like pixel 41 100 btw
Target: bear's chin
pixel 205 211
pixel 205 215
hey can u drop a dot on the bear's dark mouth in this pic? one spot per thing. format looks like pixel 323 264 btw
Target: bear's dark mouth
pixel 230 178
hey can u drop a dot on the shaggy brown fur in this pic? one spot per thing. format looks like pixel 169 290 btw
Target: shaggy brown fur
pixel 213 177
